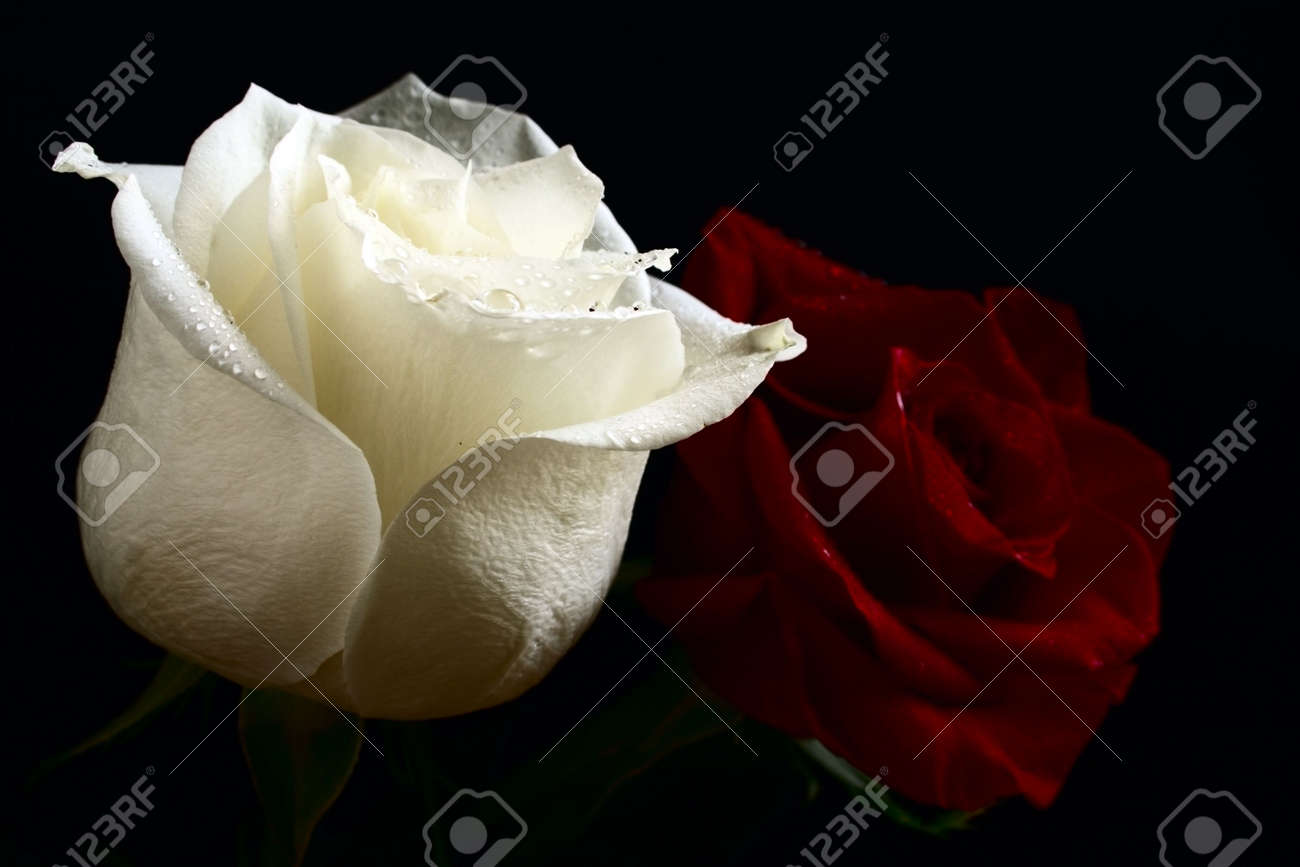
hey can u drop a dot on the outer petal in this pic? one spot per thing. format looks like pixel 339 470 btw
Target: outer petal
pixel 527 555
pixel 223 162
pixel 261 494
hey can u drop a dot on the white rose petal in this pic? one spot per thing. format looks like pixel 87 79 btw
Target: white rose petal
pixel 329 324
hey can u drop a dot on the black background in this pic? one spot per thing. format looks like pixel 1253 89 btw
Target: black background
pixel 1184 279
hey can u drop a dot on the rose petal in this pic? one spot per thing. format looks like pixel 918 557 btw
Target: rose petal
pixel 1058 363
pixel 238 473
pixel 298 571
pixel 223 161
pixel 527 555
pixel 546 206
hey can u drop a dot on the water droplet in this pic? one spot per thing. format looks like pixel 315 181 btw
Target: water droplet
pixel 171 296
pixel 202 326
pixel 546 284
pixel 521 281
pixel 205 285
pixel 233 347
pixel 595 276
pixel 259 373
pixel 395 270
pixel 502 300
pixel 372 213
pixel 156 262
pixel 236 368
pixel 213 347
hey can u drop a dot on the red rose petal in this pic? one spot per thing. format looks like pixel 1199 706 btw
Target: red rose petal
pixel 969 423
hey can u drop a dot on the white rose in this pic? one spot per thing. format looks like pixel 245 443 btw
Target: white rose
pixel 326 319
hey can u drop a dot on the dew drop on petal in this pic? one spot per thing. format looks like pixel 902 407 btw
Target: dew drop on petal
pixel 501 300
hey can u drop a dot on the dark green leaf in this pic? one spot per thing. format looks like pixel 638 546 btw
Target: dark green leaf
pixel 174 677
pixel 301 755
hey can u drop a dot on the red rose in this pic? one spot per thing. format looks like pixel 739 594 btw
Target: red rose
pixel 986 467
